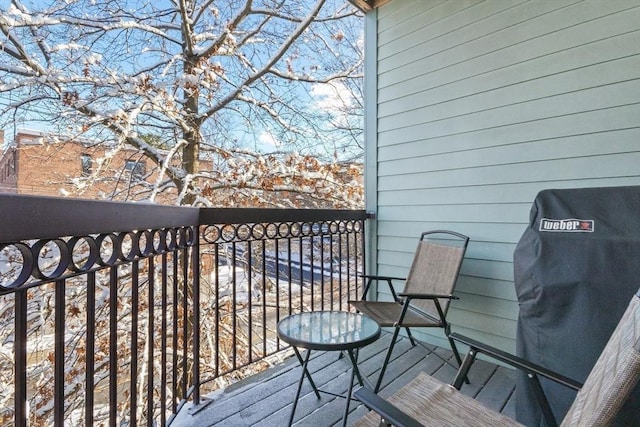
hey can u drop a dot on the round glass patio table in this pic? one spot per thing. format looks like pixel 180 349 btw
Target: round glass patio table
pixel 328 331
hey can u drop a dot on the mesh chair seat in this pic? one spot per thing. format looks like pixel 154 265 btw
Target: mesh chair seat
pixel 438 404
pixel 387 314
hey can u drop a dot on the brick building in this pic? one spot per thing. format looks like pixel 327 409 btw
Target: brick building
pixel 38 164
pixel 35 164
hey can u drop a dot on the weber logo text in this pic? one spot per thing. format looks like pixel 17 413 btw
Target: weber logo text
pixel 567 225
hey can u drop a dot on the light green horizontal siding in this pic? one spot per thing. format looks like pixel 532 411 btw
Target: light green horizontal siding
pixel 557 129
pixel 606 166
pixel 482 104
pixel 475 46
pixel 495 194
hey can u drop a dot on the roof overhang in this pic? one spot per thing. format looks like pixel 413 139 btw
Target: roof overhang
pixel 368 5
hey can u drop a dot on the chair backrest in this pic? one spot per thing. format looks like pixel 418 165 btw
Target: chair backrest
pixel 435 267
pixel 614 375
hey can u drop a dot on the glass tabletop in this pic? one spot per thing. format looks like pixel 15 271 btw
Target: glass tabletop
pixel 328 330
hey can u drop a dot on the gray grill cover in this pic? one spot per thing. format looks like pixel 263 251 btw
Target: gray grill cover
pixel 576 268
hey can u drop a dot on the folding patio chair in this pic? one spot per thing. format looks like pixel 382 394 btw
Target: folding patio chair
pixel 427 292
pixel 427 401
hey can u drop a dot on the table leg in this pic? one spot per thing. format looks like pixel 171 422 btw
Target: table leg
pixel 306 372
pixel 354 364
pixel 354 372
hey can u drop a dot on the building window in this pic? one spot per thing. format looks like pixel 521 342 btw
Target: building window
pixel 87 164
pixel 136 168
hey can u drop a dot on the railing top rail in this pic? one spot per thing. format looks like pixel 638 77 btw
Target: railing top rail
pixel 24 217
pixel 37 217
pixel 258 215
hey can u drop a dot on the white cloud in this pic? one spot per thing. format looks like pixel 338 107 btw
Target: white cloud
pixel 333 98
pixel 268 139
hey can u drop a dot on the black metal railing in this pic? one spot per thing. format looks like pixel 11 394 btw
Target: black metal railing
pixel 117 314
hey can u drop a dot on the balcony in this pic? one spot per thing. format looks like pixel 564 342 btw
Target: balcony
pixel 135 314
pixel 265 400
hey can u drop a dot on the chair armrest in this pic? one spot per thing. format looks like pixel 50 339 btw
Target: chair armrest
pixel 376 277
pixel 517 362
pixel 426 296
pixel 386 410
pixel 370 278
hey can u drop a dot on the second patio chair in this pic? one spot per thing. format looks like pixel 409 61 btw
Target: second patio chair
pixel 425 401
pixel 427 292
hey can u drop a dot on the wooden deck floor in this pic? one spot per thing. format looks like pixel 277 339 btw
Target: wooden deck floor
pixel 265 399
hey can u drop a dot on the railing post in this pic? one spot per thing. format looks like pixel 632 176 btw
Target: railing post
pixel 135 301
pixel 90 349
pixel 59 377
pixel 20 348
pixel 196 316
pixel 150 341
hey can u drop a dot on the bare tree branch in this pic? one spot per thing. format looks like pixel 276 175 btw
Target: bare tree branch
pixel 188 84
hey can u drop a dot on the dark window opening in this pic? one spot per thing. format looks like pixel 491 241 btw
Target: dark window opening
pixel 136 168
pixel 87 164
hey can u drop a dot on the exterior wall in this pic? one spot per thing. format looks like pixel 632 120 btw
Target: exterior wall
pixel 480 105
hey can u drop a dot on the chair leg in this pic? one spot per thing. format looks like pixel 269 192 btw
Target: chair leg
pixel 413 342
pixel 455 351
pixel 387 357
pixel 457 356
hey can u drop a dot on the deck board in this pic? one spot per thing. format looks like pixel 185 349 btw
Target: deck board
pixel 498 389
pixel 266 399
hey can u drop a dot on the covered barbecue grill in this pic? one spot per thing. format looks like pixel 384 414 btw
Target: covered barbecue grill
pixel 576 267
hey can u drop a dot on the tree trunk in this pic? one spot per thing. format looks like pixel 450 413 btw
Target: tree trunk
pixel 191 151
